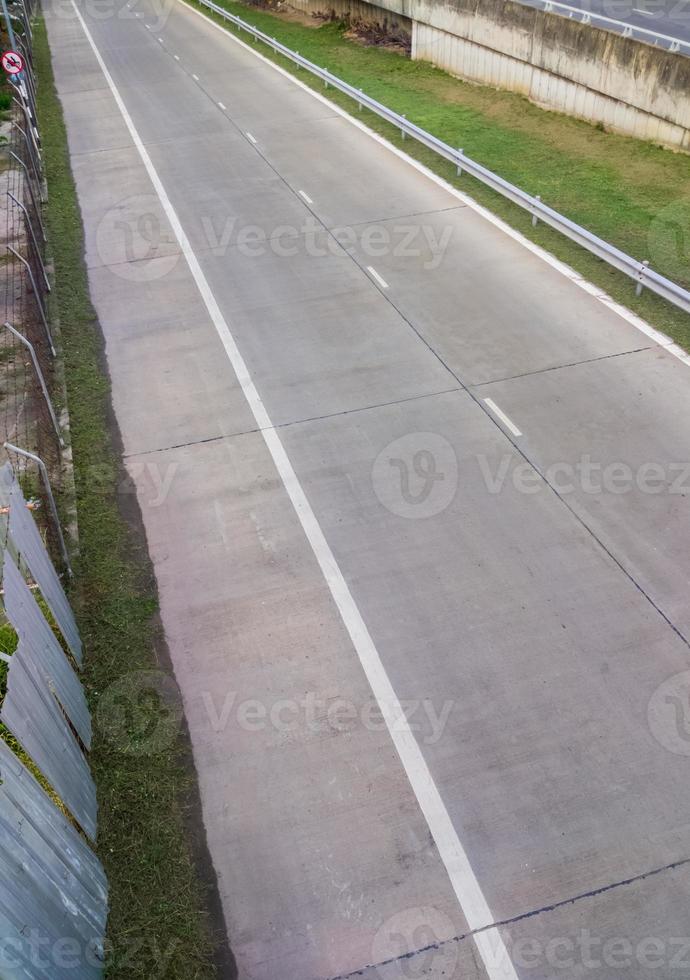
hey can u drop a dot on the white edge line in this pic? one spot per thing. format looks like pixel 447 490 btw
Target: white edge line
pixel 379 279
pixel 305 196
pixel 467 889
pixel 502 416
pixel 195 77
pixel 252 139
pixel 575 277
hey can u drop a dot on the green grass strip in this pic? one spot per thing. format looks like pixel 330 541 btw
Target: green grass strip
pixel 158 926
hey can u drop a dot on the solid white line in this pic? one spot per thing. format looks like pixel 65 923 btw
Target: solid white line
pixel 575 277
pixel 646 13
pixel 195 77
pixel 252 139
pixel 502 416
pixel 467 889
pixel 379 279
pixel 305 196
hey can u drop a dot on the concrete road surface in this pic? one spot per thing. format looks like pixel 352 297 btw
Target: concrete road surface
pixel 418 503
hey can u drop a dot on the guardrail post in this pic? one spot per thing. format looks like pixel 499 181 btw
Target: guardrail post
pixel 359 104
pixel 535 219
pixel 640 284
pixel 51 499
pixel 460 151
pixel 402 131
pixel 41 380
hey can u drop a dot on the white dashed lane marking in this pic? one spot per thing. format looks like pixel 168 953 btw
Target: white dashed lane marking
pixel 502 416
pixel 379 279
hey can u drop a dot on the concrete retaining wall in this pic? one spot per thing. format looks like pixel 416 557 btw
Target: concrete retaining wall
pixel 628 86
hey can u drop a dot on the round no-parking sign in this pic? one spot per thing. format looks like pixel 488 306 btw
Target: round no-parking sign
pixel 12 62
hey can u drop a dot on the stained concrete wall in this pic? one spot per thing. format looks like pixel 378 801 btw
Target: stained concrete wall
pixel 629 86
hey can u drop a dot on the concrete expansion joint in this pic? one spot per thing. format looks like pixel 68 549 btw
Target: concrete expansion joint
pixel 560 367
pixel 285 425
pixel 502 923
pixel 401 217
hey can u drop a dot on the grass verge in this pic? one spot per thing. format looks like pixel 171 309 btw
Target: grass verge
pixel 159 925
pixel 633 194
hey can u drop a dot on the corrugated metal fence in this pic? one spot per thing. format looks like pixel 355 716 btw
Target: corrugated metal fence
pixel 53 890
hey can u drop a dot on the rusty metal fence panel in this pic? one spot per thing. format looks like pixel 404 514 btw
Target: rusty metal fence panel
pixel 40 644
pixel 27 540
pixel 53 891
pixel 32 713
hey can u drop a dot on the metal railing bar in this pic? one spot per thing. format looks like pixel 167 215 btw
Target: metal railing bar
pixel 39 301
pixel 44 388
pixel 33 237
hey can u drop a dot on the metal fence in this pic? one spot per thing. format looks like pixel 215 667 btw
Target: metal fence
pixel 53 890
pixel 29 421
pixel 638 270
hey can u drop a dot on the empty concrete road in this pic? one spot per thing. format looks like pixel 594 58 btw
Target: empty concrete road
pixel 418 504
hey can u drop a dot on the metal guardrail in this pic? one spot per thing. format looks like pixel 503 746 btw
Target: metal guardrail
pixel 644 276
pixel 674 44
